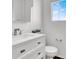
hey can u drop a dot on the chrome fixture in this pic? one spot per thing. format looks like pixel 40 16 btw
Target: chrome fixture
pixel 17 31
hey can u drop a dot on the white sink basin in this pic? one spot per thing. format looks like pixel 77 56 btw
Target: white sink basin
pixel 24 37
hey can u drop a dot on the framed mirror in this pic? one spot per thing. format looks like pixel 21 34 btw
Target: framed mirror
pixel 21 10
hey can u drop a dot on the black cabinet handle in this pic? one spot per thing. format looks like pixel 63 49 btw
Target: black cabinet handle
pixel 61 40
pixel 38 42
pixel 42 58
pixel 22 51
pixel 39 53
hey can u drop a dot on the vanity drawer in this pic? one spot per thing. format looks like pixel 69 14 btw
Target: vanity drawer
pixel 33 54
pixel 42 56
pixel 25 47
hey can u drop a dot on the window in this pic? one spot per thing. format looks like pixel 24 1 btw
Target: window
pixel 58 10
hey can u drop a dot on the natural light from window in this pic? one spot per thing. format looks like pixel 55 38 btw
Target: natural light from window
pixel 58 10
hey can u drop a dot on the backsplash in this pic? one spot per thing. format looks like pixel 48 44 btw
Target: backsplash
pixel 24 27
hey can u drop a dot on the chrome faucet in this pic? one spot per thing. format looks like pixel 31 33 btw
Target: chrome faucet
pixel 17 31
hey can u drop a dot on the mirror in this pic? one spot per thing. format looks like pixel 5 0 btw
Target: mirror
pixel 21 10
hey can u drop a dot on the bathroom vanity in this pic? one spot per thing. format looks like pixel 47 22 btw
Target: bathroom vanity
pixel 28 46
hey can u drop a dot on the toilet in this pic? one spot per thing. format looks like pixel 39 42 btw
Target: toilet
pixel 50 52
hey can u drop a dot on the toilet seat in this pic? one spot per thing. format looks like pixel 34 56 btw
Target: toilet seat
pixel 51 51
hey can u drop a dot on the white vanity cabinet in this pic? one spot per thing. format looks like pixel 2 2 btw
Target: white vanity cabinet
pixel 33 54
pixel 30 49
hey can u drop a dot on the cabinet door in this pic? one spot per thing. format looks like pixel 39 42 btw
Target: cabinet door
pixel 33 54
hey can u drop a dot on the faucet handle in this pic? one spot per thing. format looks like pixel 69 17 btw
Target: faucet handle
pixel 17 31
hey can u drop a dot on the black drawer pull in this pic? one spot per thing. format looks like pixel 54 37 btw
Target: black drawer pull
pixel 39 53
pixel 39 42
pixel 42 58
pixel 22 51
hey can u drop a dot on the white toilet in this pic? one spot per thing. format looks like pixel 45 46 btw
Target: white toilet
pixel 51 52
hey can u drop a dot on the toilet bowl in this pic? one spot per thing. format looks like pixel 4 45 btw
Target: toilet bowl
pixel 51 52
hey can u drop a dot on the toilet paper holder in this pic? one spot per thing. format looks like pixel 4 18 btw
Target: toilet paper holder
pixel 60 40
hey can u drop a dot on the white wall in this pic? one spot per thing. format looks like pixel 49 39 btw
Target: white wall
pixel 36 14
pixel 53 30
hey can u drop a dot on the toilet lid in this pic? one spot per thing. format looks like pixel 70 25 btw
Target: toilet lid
pixel 51 49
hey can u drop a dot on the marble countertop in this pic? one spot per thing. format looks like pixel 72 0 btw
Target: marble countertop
pixel 25 37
